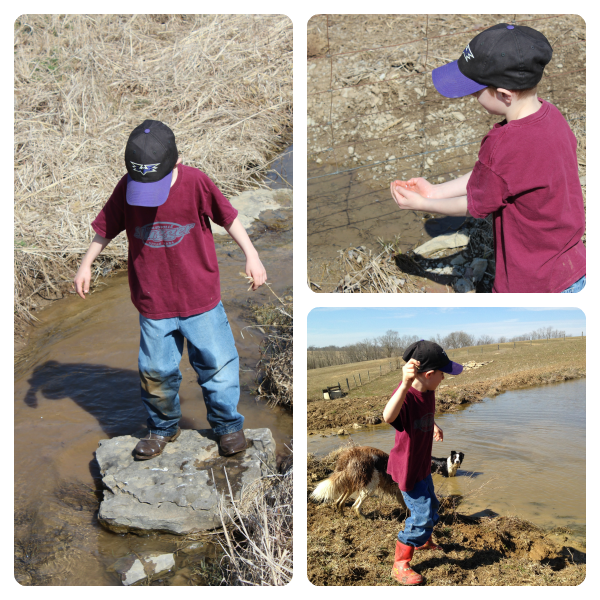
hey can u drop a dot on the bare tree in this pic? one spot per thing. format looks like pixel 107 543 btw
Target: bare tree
pixel 485 340
pixel 389 343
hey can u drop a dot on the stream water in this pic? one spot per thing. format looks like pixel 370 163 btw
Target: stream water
pixel 80 384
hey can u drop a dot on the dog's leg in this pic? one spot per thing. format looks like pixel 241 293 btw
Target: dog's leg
pixel 342 502
pixel 357 504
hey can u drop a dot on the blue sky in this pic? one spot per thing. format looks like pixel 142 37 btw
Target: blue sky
pixel 342 326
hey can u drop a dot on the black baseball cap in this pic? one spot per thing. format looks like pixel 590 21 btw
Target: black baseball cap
pixel 431 356
pixel 512 57
pixel 150 157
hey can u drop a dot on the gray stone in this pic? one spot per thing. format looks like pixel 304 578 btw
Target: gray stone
pixel 463 286
pixel 252 202
pixel 458 260
pixel 177 492
pixel 133 568
pixel 479 265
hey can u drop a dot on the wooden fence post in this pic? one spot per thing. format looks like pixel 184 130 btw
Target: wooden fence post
pixel 369 374
pixel 347 384
pixel 360 379
pixel 356 384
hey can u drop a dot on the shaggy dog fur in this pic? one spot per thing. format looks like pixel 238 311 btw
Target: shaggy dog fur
pixel 361 470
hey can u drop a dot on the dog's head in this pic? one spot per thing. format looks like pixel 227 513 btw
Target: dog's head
pixel 456 458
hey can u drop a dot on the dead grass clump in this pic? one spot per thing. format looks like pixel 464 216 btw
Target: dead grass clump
pixel 369 273
pixel 223 83
pixel 257 538
pixel 276 364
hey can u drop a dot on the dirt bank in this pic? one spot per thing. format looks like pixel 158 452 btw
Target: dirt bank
pixel 476 550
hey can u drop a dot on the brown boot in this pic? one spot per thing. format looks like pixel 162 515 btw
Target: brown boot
pixel 153 445
pixel 401 570
pixel 232 443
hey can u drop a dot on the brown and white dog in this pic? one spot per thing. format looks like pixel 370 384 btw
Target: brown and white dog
pixel 361 470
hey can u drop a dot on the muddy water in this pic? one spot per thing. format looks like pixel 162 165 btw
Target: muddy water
pixel 344 212
pixel 80 385
pixel 282 173
pixel 524 455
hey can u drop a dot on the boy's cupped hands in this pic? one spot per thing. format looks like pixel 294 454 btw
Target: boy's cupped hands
pixel 409 194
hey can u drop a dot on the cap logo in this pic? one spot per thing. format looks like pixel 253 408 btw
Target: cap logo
pixel 143 169
pixel 467 53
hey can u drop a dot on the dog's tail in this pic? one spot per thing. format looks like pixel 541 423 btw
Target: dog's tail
pixel 327 491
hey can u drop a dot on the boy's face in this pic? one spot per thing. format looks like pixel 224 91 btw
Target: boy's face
pixel 434 378
pixel 174 172
pixel 493 100
pixel 503 102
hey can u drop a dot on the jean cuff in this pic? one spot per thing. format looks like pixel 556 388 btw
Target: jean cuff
pixel 164 432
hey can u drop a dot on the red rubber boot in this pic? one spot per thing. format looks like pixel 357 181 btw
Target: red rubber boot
pixel 401 571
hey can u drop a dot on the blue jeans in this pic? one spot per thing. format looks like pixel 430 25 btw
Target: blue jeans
pixel 423 505
pixel 213 356
pixel 576 287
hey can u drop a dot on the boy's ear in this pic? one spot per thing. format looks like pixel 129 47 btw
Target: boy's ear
pixel 428 374
pixel 507 95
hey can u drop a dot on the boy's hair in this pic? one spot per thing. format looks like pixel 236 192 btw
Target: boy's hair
pixel 521 93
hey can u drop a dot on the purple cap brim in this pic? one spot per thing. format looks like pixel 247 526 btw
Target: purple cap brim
pixel 452 368
pixel 451 83
pixel 148 194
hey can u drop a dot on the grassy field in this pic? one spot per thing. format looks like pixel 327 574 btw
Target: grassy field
pixel 507 359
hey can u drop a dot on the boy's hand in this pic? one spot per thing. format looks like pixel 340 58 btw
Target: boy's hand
pixel 82 280
pixel 409 371
pixel 438 434
pixel 404 197
pixel 255 269
pixel 417 184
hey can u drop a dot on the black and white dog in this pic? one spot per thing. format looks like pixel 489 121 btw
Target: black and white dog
pixel 447 466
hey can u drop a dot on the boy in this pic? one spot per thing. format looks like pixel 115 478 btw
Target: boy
pixel 174 280
pixel 527 171
pixel 410 411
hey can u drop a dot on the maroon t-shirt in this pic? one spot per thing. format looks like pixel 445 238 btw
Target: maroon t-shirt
pixel 172 261
pixel 527 175
pixel 410 458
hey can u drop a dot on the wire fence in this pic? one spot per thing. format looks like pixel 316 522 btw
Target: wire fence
pixel 558 80
pixel 374 115
pixel 356 378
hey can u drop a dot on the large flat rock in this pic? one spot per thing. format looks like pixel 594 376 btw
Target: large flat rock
pixel 252 202
pixel 176 492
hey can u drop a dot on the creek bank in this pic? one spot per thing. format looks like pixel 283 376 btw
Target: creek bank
pixel 251 203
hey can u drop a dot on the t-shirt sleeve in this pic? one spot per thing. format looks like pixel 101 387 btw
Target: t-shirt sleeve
pixel 215 205
pixel 486 191
pixel 111 219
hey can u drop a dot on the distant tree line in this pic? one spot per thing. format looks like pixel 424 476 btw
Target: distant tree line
pixel 392 344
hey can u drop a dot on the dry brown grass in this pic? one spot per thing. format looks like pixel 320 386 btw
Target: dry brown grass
pixel 257 533
pixel 223 83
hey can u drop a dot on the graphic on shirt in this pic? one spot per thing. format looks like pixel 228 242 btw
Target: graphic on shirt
pixel 143 169
pixel 425 423
pixel 162 234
